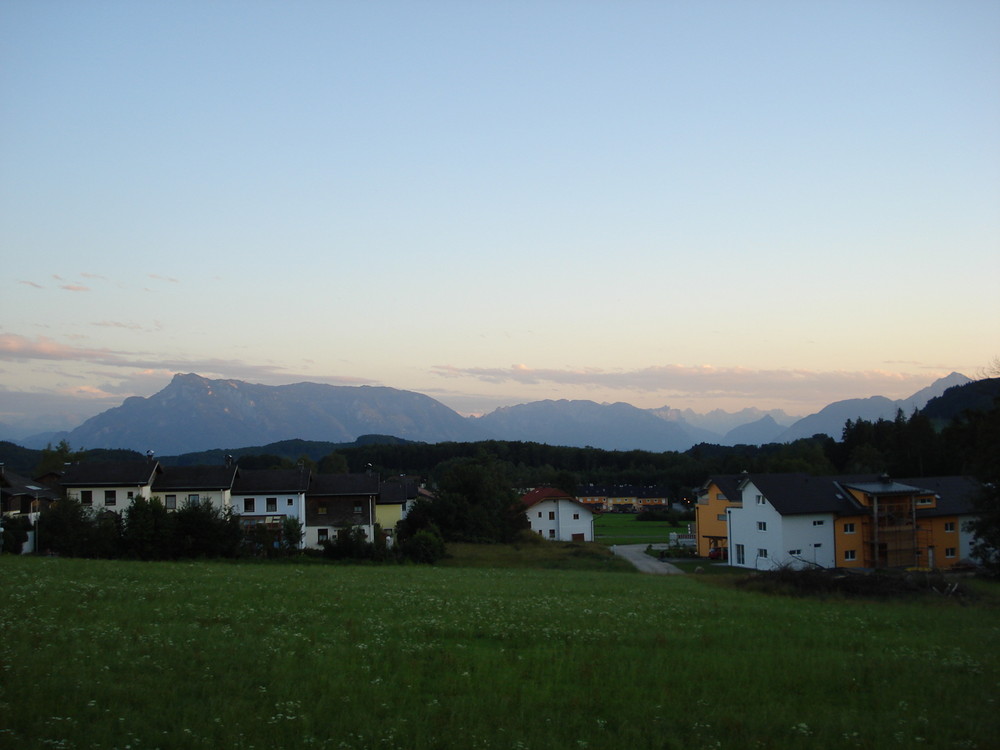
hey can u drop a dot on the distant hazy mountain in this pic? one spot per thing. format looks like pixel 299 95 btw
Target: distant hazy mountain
pixel 764 430
pixel 582 423
pixel 721 422
pixel 193 413
pixel 830 420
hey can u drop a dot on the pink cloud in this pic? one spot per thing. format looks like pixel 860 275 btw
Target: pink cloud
pixel 75 288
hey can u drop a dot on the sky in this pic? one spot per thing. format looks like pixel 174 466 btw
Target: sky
pixel 704 205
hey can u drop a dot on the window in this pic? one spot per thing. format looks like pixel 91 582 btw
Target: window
pixel 131 495
pixel 818 545
pixel 740 555
pixel 87 497
pixel 321 509
pixel 818 523
pixel 721 517
pixel 539 514
pixel 925 500
pixel 194 500
pixel 170 502
pixel 848 528
pixel 850 554
pixel 552 515
pixel 576 516
pixel 762 553
pixel 794 552
pixel 949 526
pixel 248 505
pixel 272 504
pixel 322 535
pixel 110 497
pixel 949 551
pixel 552 533
pixel 291 502
pixel 762 526
pixel 761 500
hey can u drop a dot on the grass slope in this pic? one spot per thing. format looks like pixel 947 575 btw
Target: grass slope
pixel 101 654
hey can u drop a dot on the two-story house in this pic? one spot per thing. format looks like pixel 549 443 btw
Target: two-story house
pixel 110 486
pixel 715 497
pixel 553 514
pixel 268 496
pixel 798 520
pixel 339 501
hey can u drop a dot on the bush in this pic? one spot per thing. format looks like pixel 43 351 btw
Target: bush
pixel 426 546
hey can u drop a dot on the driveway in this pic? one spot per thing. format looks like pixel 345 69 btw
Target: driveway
pixel 636 554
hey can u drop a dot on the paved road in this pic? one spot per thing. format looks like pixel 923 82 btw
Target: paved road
pixel 636 554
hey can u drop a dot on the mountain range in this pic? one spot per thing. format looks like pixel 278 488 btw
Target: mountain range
pixel 193 413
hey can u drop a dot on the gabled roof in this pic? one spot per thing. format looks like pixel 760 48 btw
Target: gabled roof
pixel 259 481
pixel 792 494
pixel 397 491
pixel 729 484
pixel 542 494
pixel 344 484
pixel 13 485
pixel 955 494
pixel 110 474
pixel 180 478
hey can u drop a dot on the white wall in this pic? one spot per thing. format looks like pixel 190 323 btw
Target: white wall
pixel 782 536
pixel 562 526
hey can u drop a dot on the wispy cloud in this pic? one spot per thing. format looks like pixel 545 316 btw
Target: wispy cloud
pixel 158 277
pixel 75 288
pixel 31 284
pixel 14 347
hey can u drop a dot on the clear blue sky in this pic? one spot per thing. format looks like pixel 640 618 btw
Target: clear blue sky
pixel 695 204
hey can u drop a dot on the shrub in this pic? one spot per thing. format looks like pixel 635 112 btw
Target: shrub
pixel 426 546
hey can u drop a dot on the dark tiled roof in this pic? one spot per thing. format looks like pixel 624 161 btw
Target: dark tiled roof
pixel 110 474
pixel 792 494
pixel 729 484
pixel 257 481
pixel 195 478
pixel 955 494
pixel 344 484
pixel 12 484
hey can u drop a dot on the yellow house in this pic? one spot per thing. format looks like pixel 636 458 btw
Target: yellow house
pixel 714 497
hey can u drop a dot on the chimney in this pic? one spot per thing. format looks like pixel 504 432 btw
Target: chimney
pixel 149 456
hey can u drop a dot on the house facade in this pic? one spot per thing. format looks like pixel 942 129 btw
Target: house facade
pixel 797 520
pixel 269 496
pixel 339 501
pixel 111 486
pixel 553 514
pixel 715 497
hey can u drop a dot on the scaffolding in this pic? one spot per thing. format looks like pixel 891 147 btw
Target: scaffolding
pixel 892 537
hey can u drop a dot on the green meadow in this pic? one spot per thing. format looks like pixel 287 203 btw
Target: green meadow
pixel 129 655
pixel 623 528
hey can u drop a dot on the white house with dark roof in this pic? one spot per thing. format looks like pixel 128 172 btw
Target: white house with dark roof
pixel 269 496
pixel 553 514
pixel 178 485
pixel 110 485
pixel 869 521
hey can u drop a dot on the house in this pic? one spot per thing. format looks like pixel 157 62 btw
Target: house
pixel 715 497
pixel 867 521
pixel 23 495
pixel 553 514
pixel 396 497
pixel 268 496
pixel 340 501
pixel 177 485
pixel 111 485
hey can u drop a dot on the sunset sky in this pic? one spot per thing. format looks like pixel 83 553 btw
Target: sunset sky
pixel 695 204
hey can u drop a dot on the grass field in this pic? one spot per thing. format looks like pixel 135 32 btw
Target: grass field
pixel 102 654
pixel 623 528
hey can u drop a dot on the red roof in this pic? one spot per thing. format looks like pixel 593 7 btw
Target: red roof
pixel 545 493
